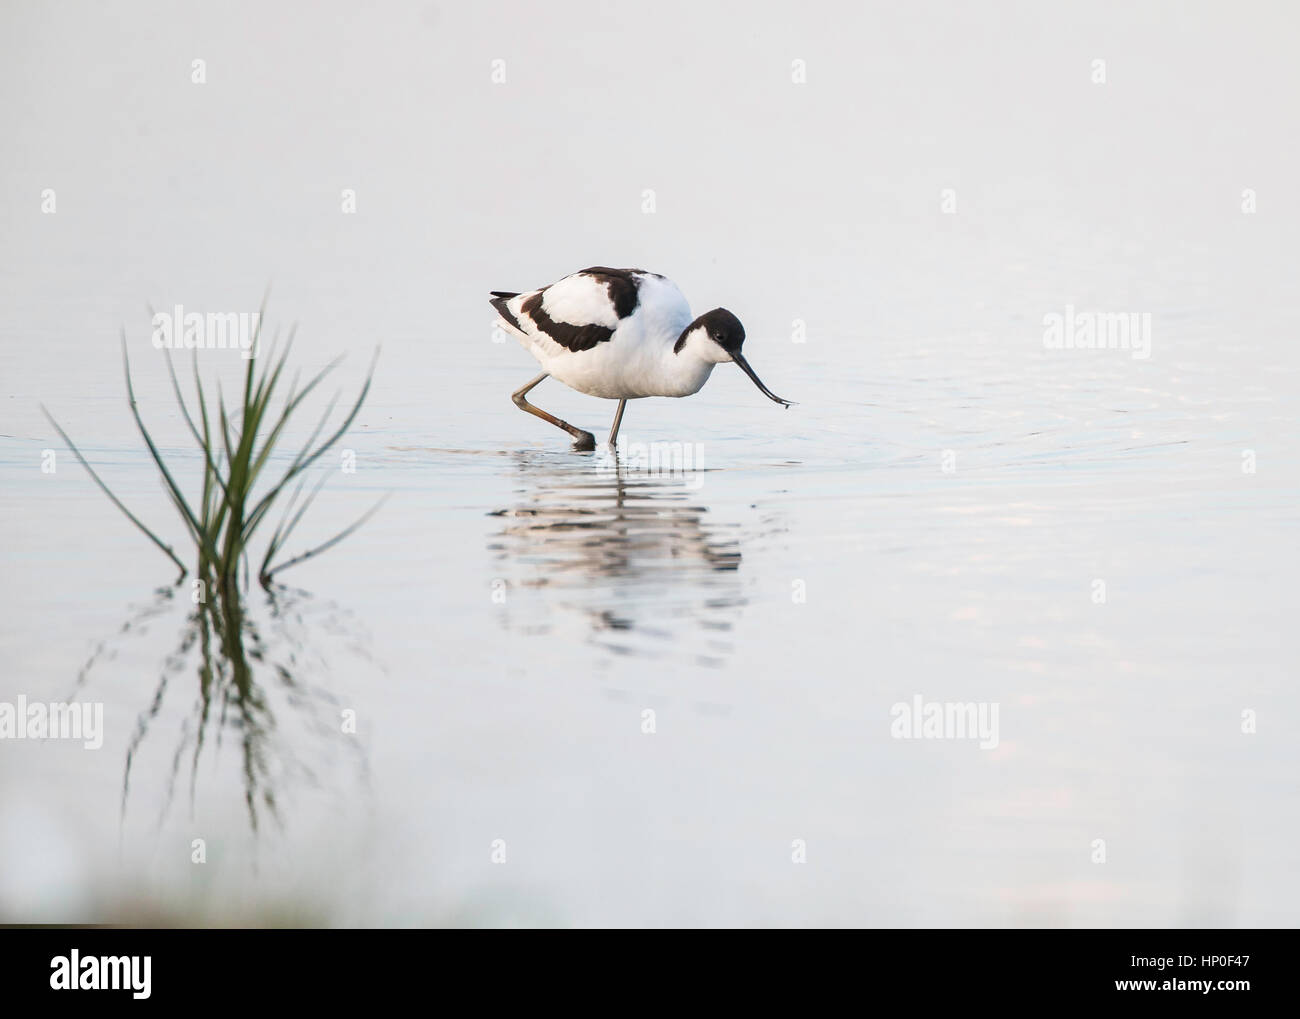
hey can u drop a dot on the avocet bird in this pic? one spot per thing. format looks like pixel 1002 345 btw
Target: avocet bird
pixel 621 334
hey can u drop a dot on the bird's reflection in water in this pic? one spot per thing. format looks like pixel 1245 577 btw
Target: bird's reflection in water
pixel 632 558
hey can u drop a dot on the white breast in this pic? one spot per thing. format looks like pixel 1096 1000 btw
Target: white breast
pixel 638 360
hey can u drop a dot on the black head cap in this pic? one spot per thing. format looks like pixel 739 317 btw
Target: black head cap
pixel 723 328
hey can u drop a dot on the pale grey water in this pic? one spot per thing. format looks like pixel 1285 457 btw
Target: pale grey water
pixel 823 568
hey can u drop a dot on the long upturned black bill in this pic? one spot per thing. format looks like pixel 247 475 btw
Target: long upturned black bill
pixel 744 366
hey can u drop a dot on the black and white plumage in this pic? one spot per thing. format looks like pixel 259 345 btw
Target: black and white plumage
pixel 621 334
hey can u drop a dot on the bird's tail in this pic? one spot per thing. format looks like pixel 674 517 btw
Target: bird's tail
pixel 500 301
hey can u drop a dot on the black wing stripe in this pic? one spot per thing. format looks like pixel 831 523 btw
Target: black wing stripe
pixel 621 285
pixel 567 335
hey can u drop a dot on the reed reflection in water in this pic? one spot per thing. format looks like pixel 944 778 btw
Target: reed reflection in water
pixel 258 666
pixel 632 558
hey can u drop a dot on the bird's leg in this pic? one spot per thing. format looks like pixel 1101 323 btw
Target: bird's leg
pixel 584 440
pixel 618 420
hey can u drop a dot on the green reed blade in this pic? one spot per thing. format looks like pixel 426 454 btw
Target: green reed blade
pixel 268 575
pixel 115 500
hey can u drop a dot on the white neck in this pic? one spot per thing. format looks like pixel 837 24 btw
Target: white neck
pixel 683 372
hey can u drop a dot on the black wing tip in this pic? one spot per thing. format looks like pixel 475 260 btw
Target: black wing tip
pixel 498 301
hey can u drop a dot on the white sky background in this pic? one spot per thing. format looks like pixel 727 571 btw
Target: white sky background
pixel 169 188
